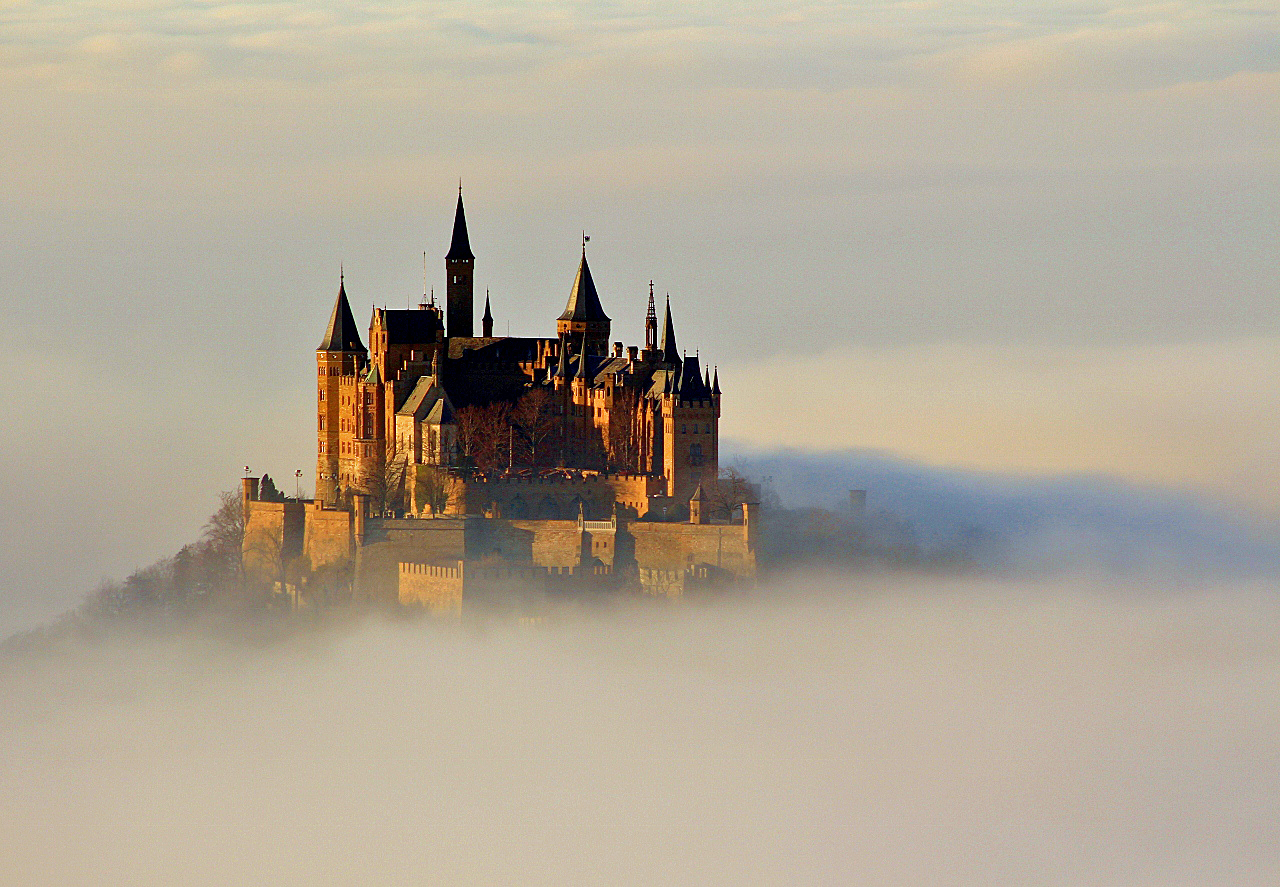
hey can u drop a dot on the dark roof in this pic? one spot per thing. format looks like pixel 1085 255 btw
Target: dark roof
pixel 692 384
pixel 668 344
pixel 584 301
pixel 460 246
pixel 342 334
pixel 488 315
pixel 410 326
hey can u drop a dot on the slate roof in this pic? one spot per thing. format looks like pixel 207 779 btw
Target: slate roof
pixel 668 344
pixel 410 326
pixel 460 246
pixel 342 334
pixel 584 301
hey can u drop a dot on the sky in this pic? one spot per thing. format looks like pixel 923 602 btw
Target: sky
pixel 1034 239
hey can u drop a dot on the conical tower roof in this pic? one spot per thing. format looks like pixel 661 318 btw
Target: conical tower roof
pixel 584 301
pixel 488 315
pixel 342 334
pixel 460 246
pixel 668 344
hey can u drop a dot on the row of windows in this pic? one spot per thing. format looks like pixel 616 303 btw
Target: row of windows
pixel 684 428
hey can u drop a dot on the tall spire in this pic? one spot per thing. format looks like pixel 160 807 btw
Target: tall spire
pixel 342 334
pixel 486 322
pixel 715 382
pixel 460 246
pixel 669 352
pixel 651 324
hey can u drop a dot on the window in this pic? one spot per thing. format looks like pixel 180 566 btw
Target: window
pixel 695 454
pixel 322 422
pixel 695 427
pixel 708 428
pixel 322 395
pixel 684 429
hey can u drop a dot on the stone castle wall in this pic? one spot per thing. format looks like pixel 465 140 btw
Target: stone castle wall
pixel 585 551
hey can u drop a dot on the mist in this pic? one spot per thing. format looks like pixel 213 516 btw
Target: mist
pixel 820 729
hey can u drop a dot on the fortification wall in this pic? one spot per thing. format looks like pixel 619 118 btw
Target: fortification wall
pixel 388 543
pixel 547 543
pixel 556 498
pixel 436 588
pixel 273 536
pixel 725 547
pixel 327 540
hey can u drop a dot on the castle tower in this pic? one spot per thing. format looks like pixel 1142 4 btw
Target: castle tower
pixel 486 322
pixel 583 315
pixel 459 265
pixel 341 354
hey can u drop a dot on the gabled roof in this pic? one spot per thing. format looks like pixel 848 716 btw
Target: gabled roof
pixel 428 402
pixel 584 301
pixel 342 334
pixel 373 377
pixel 460 246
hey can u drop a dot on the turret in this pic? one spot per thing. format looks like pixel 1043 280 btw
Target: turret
pixel 459 265
pixel 583 315
pixel 486 322
pixel 341 353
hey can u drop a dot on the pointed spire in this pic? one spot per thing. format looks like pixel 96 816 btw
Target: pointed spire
pixel 584 301
pixel 460 247
pixel 488 315
pixel 562 364
pixel 582 359
pixel 341 334
pixel 650 324
pixel 715 382
pixel 669 352
pixel 706 378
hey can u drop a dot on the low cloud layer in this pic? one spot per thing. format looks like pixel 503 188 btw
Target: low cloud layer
pixel 830 731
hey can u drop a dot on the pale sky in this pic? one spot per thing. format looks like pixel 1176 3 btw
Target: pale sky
pixel 1019 237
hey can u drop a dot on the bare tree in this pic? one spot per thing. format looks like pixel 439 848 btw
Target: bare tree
pixel 484 435
pixel 729 491
pixel 623 442
pixel 224 536
pixel 384 485
pixel 537 426
pixel 433 488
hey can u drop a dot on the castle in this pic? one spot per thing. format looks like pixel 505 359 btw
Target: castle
pixel 541 458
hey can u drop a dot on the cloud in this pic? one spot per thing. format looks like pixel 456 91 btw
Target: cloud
pixel 1194 415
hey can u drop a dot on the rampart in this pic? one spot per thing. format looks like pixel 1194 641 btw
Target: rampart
pixel 495 555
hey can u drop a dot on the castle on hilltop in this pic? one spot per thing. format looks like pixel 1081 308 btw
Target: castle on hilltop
pixel 429 394
pixel 448 462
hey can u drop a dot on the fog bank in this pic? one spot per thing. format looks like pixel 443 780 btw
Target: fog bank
pixel 828 731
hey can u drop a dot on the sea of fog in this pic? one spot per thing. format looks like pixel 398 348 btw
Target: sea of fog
pixel 822 730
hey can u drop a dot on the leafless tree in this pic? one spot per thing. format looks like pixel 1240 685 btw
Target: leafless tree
pixel 384 485
pixel 484 435
pixel 623 444
pixel 224 535
pixel 726 494
pixel 537 426
pixel 432 488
